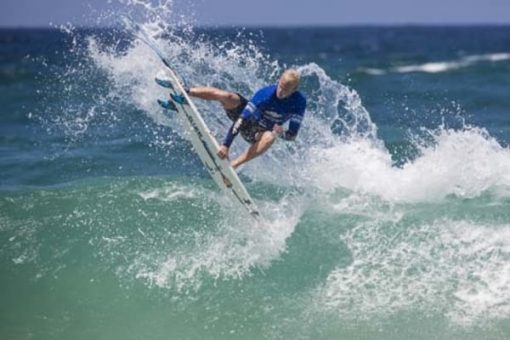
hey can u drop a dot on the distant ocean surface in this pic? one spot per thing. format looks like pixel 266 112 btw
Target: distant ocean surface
pixel 388 218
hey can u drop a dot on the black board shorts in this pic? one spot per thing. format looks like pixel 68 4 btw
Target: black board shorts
pixel 248 129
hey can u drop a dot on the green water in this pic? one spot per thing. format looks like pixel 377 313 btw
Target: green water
pixel 156 258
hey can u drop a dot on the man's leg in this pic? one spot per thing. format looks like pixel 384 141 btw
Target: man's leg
pixel 256 149
pixel 229 100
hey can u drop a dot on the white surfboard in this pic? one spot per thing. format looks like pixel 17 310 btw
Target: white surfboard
pixel 204 142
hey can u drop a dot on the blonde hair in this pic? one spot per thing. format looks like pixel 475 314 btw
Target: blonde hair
pixel 292 77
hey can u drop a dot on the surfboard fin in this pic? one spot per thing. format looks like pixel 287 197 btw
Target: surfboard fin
pixel 179 99
pixel 164 83
pixel 163 80
pixel 167 104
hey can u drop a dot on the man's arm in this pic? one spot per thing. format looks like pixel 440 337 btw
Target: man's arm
pixel 233 131
pixel 295 123
pixel 250 112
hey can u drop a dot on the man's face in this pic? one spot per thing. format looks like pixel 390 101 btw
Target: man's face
pixel 284 88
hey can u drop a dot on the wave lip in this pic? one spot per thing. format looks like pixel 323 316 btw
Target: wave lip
pixel 438 67
pixel 445 66
pixel 441 66
pixel 461 163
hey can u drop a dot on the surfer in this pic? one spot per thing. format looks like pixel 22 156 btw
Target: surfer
pixel 259 120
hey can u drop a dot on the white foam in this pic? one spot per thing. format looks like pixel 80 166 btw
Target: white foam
pixel 445 66
pixel 239 247
pixel 442 66
pixel 171 192
pixel 438 67
pixel 373 71
pixel 455 268
pixel 462 163
pixel 494 57
pixel 132 76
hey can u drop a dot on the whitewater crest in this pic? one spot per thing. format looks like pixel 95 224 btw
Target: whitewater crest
pixel 442 66
pixel 464 163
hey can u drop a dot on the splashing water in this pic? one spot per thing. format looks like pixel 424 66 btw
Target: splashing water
pixel 416 236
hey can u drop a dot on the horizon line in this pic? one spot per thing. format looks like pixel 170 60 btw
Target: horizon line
pixel 279 26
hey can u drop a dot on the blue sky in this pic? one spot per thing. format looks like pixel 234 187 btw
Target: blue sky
pixel 272 12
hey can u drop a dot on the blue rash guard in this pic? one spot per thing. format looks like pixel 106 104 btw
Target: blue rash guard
pixel 265 109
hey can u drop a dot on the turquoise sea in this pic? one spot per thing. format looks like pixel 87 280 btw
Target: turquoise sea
pixel 388 218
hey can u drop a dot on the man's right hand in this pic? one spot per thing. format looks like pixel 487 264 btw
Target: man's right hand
pixel 277 130
pixel 223 153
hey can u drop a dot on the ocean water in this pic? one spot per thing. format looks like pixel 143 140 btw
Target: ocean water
pixel 388 218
